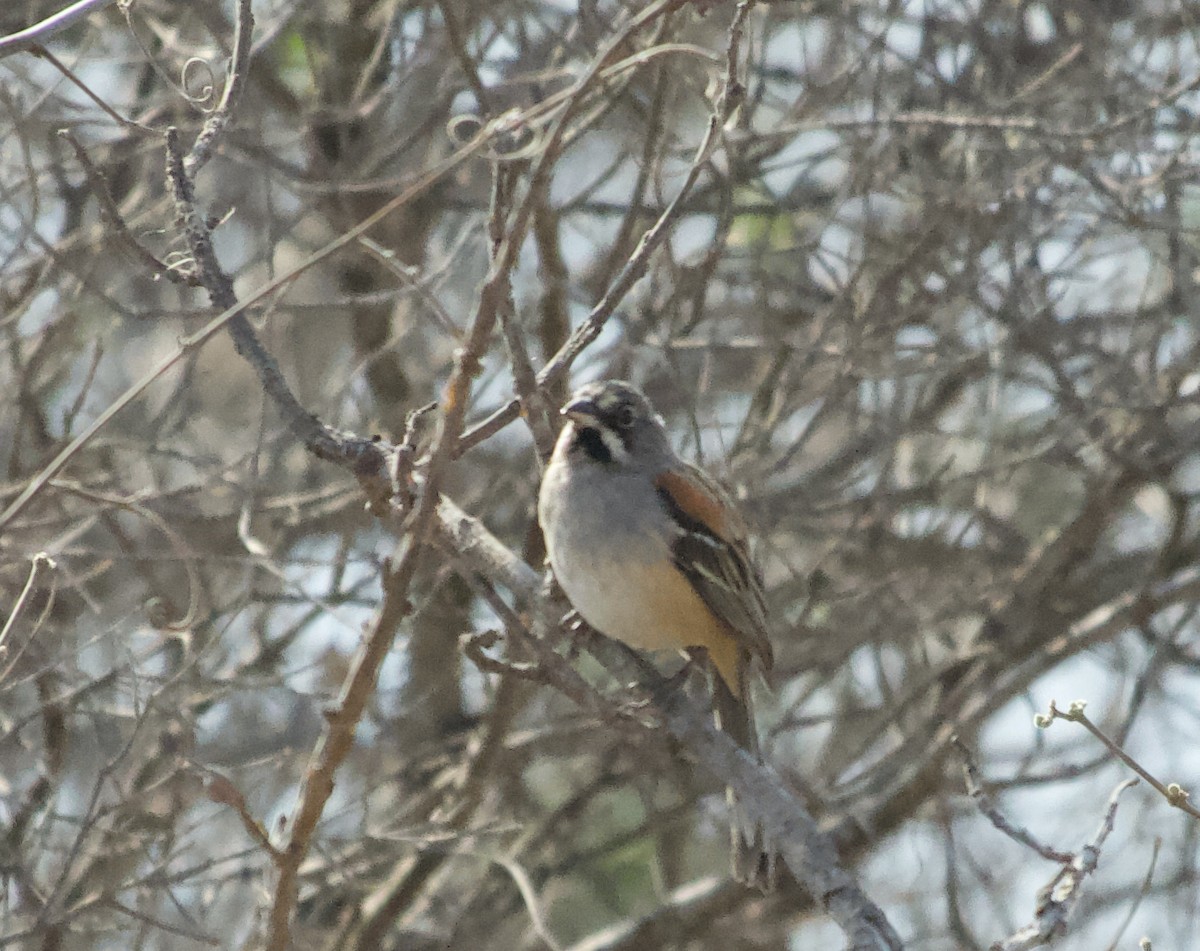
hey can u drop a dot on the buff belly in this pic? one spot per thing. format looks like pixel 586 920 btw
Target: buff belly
pixel 608 545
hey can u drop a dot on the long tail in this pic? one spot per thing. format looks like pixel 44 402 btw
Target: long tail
pixel 753 863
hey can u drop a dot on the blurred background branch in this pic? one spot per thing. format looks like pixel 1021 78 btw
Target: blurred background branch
pixel 918 281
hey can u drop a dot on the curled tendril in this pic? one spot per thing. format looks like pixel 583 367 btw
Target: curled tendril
pixel 517 134
pixel 197 69
pixel 179 263
pixel 509 137
pixel 463 128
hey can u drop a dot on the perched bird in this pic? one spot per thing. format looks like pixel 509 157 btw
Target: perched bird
pixel 651 551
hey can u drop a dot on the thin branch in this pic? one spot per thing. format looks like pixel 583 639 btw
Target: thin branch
pixel 336 742
pixel 458 44
pixel 555 371
pixel 984 804
pixel 41 562
pixel 672 920
pixel 111 217
pixel 338 739
pixel 1173 793
pixel 221 789
pixel 239 70
pixel 767 800
pixel 420 184
pixel 42 31
pixel 1058 897
pixel 475 644
pixel 530 898
pixel 74 80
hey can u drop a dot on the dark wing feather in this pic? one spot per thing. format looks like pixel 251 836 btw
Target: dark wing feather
pixel 711 551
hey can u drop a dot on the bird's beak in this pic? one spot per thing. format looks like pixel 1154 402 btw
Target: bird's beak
pixel 582 411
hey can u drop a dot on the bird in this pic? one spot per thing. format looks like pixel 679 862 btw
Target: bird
pixel 652 551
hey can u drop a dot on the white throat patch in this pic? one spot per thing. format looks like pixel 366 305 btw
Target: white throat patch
pixel 614 444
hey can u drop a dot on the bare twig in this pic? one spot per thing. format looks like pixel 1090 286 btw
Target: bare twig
pixel 412 279
pixel 74 80
pixel 672 920
pixel 335 744
pixel 239 70
pixel 1173 793
pixel 458 44
pixel 420 184
pixel 338 738
pixel 768 802
pixel 1058 898
pixel 633 271
pixel 524 377
pixel 475 645
pixel 221 789
pixel 984 804
pixel 37 566
pixel 111 216
pixel 529 896
pixel 41 31
pixel 555 371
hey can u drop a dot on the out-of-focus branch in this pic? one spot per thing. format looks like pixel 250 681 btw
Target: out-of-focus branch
pixel 555 371
pixel 110 214
pixel 39 565
pixel 361 455
pixel 983 802
pixel 672 920
pixel 43 30
pixel 239 69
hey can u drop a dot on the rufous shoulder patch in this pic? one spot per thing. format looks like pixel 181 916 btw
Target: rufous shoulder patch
pixel 696 502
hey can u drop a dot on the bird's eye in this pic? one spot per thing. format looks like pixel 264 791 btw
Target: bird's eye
pixel 626 417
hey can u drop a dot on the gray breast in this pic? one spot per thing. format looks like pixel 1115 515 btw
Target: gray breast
pixel 601 528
